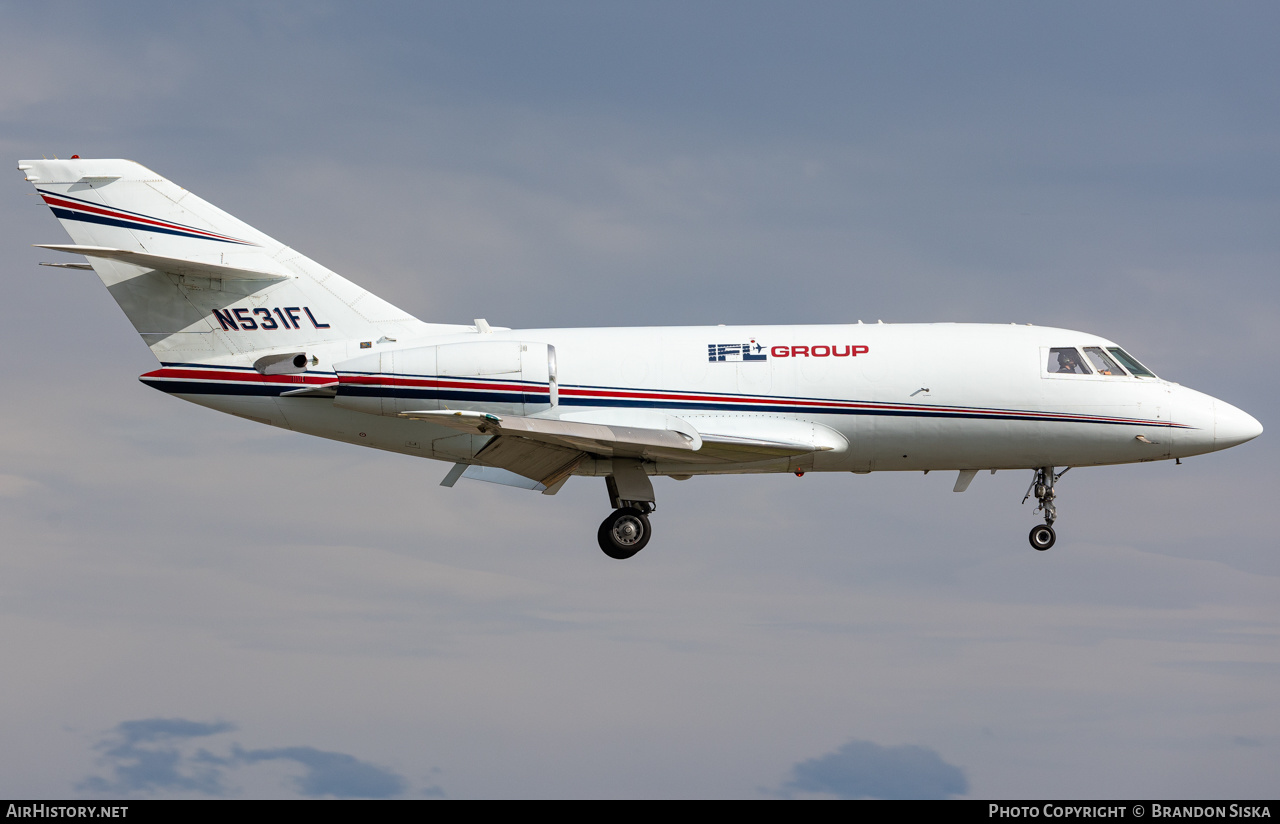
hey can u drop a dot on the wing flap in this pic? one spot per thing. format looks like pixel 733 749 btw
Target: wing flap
pixel 543 462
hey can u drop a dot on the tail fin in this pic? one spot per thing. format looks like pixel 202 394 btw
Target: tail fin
pixel 198 284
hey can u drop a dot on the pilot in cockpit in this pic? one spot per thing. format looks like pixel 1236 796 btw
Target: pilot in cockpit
pixel 1068 361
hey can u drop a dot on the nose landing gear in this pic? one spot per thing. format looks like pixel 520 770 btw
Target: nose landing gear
pixel 1042 537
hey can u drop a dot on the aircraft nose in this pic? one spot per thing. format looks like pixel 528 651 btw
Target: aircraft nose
pixel 1232 426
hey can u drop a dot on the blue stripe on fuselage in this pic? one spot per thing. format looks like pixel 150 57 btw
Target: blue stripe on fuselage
pixel 182 387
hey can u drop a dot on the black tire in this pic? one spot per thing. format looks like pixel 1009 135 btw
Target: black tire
pixel 624 533
pixel 1042 537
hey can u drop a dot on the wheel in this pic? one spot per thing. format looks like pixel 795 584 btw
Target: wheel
pixel 624 533
pixel 1042 537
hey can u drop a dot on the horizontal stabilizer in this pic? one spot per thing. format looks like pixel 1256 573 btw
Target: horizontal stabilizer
pixel 68 265
pixel 172 265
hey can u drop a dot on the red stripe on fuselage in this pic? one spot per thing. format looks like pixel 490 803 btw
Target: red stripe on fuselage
pixel 229 376
pixel 816 405
pixel 805 403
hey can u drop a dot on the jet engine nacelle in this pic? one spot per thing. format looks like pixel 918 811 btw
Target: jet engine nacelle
pixel 518 376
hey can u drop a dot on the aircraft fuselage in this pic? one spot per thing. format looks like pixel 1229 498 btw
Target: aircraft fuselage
pixel 899 396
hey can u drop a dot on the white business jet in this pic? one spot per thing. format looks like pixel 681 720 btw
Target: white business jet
pixel 243 324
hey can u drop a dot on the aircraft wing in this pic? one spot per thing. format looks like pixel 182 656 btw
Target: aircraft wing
pixel 597 439
pixel 548 449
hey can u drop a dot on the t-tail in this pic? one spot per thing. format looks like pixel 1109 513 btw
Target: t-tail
pixel 199 285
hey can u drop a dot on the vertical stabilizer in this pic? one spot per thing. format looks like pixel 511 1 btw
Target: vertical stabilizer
pixel 198 284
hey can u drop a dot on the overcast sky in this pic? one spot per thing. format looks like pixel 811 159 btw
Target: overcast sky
pixel 195 605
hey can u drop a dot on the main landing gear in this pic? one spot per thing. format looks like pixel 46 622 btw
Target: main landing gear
pixel 626 531
pixel 1042 537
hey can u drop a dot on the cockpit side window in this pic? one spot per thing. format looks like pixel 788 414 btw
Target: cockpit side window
pixel 1138 370
pixel 1066 361
pixel 1102 364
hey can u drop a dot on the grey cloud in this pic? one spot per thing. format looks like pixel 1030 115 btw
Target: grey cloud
pixel 148 756
pixel 155 729
pixel 864 769
pixel 159 766
pixel 331 773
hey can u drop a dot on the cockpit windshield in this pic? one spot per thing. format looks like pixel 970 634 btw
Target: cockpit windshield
pixel 1102 364
pixel 1128 361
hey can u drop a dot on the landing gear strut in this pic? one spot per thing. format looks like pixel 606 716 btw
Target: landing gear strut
pixel 1042 537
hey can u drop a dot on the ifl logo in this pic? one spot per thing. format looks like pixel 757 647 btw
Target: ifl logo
pixel 736 352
